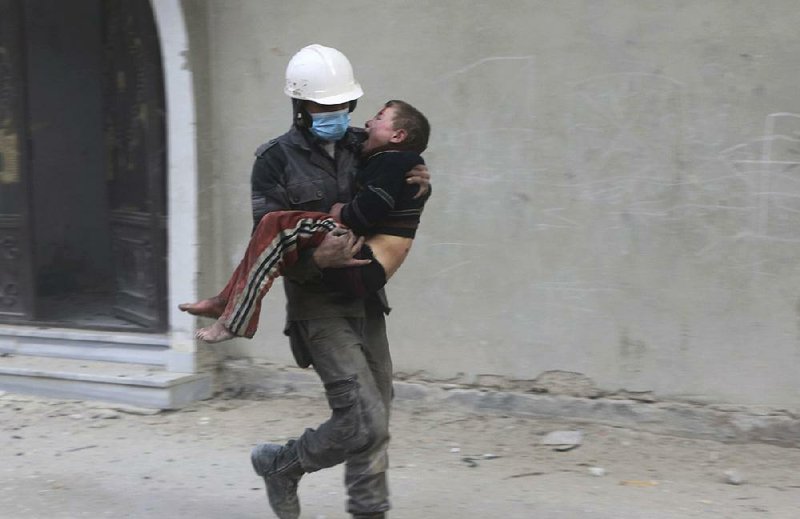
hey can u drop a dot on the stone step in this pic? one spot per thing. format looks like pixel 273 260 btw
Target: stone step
pixel 137 348
pixel 134 384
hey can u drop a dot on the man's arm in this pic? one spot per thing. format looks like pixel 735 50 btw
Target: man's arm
pixel 337 250
pixel 268 183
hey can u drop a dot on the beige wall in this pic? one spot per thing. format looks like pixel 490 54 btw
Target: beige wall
pixel 616 183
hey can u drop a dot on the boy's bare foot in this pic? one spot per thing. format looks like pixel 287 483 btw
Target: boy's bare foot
pixel 214 333
pixel 211 307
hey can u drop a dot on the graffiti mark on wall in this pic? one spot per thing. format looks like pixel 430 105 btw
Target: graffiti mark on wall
pixel 624 133
pixel 467 68
pixel 630 151
pixel 770 165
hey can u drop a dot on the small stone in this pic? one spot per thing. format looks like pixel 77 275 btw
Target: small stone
pixel 638 483
pixel 455 449
pixel 733 477
pixel 597 471
pixel 563 440
pixel 106 414
pixel 139 411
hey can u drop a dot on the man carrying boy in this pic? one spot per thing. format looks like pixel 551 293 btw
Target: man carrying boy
pixel 310 168
pixel 385 209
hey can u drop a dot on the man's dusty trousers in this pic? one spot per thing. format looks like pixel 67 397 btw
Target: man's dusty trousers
pixel 351 357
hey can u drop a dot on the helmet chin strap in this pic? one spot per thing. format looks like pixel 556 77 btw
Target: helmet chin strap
pixel 302 119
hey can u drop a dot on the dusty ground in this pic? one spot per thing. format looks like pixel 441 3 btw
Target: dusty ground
pixel 71 459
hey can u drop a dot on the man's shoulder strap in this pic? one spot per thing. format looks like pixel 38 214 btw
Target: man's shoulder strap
pixel 261 150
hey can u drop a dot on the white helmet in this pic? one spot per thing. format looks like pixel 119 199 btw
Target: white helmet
pixel 321 74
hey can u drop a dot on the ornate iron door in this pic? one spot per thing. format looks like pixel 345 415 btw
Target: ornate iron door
pixel 16 259
pixel 136 147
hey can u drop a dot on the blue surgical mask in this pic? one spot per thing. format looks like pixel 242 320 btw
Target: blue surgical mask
pixel 330 126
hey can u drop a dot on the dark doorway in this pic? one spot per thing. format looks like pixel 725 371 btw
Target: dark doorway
pixel 91 169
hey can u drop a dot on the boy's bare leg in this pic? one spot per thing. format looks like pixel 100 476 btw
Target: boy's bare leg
pixel 214 333
pixel 211 307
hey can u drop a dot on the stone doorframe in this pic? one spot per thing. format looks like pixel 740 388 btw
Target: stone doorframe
pixel 182 253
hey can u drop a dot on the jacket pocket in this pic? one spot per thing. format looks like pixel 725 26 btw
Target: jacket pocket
pixel 307 195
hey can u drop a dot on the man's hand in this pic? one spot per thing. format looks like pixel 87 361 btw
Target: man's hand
pixel 337 250
pixel 420 176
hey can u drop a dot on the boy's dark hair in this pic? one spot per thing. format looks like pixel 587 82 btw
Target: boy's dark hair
pixel 416 125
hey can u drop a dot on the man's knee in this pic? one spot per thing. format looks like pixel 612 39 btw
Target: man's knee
pixel 357 422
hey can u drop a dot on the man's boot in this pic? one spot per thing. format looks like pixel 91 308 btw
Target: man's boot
pixel 281 470
pixel 379 515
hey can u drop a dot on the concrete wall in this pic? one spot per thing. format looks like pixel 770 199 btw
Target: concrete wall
pixel 617 190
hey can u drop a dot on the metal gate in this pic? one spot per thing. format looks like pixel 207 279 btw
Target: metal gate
pixel 16 272
pixel 135 155
pixel 136 146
